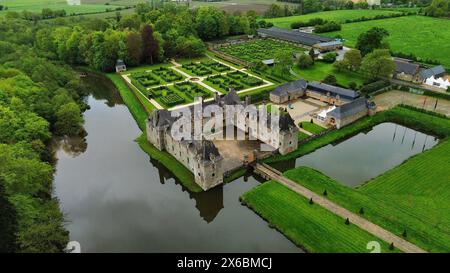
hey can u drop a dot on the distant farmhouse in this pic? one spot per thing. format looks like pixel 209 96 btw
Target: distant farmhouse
pixel 369 2
pixel 202 157
pixel 321 43
pixel 406 70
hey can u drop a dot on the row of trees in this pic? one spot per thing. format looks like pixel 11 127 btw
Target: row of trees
pixel 38 99
pixel 149 36
pixel 438 8
pixel 310 6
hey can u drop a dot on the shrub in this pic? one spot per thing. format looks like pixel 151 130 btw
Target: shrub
pixel 327 27
pixel 304 61
pixel 352 85
pixel 374 86
pixel 330 79
pixel 329 57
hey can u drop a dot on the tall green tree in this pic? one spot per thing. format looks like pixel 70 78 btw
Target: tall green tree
pixel 378 64
pixel 372 39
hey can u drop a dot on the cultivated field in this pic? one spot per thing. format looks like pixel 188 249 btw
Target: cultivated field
pixel 425 37
pixel 87 6
pixel 336 15
pixel 258 50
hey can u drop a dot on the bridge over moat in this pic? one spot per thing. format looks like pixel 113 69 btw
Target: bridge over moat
pixel 268 172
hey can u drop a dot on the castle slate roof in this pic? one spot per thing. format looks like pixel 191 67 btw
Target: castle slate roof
pixel 406 67
pixel 231 98
pixel 161 118
pixel 290 87
pixel 351 108
pixel 284 123
pixel 205 148
pixel 295 36
pixel 120 62
pixel 334 90
pixel 432 72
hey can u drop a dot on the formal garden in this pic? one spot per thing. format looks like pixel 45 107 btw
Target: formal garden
pixel 204 68
pixel 259 50
pixel 237 80
pixel 178 93
pixel 158 76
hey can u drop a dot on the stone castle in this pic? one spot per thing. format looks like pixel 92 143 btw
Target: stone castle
pixel 202 157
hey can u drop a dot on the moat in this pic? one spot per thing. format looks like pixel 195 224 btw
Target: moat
pixel 117 200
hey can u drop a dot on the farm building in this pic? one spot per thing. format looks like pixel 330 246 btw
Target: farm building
pixel 350 112
pixel 330 94
pixel 406 70
pixel 298 37
pixel 120 66
pixel 435 76
pixel 288 91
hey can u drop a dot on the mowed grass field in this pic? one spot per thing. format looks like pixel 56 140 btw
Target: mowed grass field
pixel 425 37
pixel 335 15
pixel 310 226
pixel 87 6
pixel 320 70
pixel 411 197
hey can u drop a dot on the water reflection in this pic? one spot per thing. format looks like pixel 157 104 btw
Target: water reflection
pixel 118 200
pixel 207 203
pixel 361 157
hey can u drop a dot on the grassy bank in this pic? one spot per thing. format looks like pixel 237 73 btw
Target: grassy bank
pixel 182 173
pixel 413 119
pixel 140 114
pixel 308 225
pixel 412 197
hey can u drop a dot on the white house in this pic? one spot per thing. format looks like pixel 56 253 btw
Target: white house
pixel 434 77
pixel 439 82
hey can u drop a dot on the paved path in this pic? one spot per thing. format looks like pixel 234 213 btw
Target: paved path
pixel 355 219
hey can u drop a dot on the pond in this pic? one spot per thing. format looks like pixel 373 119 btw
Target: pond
pixel 357 159
pixel 118 200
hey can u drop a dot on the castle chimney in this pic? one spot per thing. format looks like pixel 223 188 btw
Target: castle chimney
pixel 247 100
pixel 216 97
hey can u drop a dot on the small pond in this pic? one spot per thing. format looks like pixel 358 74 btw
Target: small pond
pixel 366 155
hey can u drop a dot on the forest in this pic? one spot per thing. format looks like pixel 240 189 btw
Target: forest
pixel 43 97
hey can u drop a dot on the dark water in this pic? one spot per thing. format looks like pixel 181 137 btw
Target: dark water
pixel 366 155
pixel 118 200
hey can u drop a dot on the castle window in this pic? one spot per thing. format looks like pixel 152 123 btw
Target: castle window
pixel 290 142
pixel 198 174
pixel 213 174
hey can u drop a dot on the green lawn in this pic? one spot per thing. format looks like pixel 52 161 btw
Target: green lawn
pixel 311 127
pixel 38 5
pixel 320 70
pixel 310 226
pixel 335 15
pixel 425 37
pixel 302 136
pixel 413 197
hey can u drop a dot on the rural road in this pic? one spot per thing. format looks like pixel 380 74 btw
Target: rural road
pixel 355 219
